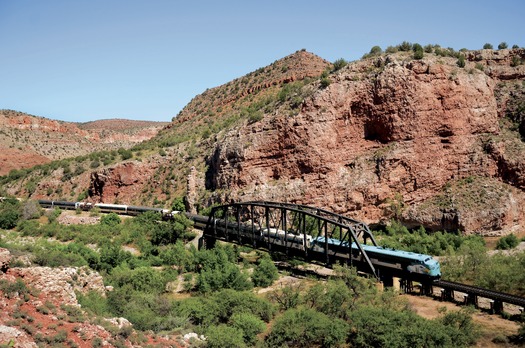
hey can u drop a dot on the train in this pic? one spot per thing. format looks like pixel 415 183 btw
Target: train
pixel 103 207
pixel 397 262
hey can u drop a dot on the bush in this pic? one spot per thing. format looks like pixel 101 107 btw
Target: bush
pixel 503 45
pixel 488 46
pixel 461 61
pixel 405 46
pixel 325 82
pixel 306 328
pixel 142 279
pixel 12 289
pixel 224 336
pixel 375 50
pixel 265 273
pixel 339 64
pixel 9 218
pixel 125 154
pixel 250 326
pixel 111 220
pixel 380 327
pixel 507 242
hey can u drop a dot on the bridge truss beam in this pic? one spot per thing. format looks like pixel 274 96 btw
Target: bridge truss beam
pixel 287 228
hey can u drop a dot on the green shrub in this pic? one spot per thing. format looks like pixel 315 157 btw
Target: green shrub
pixel 503 45
pixel 265 273
pixel 339 64
pixel 325 82
pixel 507 242
pixel 461 61
pixel 224 336
pixel 12 289
pixel 307 328
pixel 10 213
pixel 125 154
pixel 111 220
pixel 488 46
pixel 142 279
pixel 376 50
pixel 418 51
pixel 249 324
pixel 405 46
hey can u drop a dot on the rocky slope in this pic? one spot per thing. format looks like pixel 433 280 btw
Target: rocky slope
pixel 426 141
pixel 39 306
pixel 390 136
pixel 28 140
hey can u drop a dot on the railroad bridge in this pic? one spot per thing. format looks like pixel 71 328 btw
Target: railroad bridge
pixel 285 228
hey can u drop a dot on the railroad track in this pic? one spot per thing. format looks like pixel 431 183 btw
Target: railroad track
pixel 475 292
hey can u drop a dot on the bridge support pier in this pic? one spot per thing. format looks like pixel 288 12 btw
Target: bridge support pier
pixel 397 283
pixel 206 242
pixel 496 307
pixel 447 295
pixel 469 299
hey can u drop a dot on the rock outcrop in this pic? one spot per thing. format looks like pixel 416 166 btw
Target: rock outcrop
pixel 393 126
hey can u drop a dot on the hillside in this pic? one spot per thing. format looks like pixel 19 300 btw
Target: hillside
pixel 29 140
pixel 433 141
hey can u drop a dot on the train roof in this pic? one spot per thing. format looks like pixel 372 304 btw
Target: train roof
pixel 379 249
pixel 399 253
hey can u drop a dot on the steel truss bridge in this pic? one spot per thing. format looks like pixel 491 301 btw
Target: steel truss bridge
pixel 242 223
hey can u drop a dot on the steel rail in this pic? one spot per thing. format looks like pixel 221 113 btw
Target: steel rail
pixel 481 292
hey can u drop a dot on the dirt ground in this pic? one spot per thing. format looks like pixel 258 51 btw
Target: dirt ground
pixel 491 325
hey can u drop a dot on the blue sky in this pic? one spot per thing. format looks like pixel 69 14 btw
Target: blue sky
pixel 80 60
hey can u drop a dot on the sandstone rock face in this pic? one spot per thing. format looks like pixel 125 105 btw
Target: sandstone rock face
pixel 114 184
pixel 405 127
pixel 5 259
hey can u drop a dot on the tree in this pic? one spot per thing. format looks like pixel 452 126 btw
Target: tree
pixel 9 213
pixel 265 273
pixel 339 64
pixel 111 220
pixel 507 242
pixel 218 270
pixel 405 46
pixel 503 45
pixel 250 326
pixel 304 327
pixel 224 336
pixel 375 50
pixel 487 46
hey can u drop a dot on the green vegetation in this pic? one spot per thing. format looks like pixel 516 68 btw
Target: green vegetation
pixel 339 64
pixel 461 61
pixel 347 310
pixel 397 236
pixel 488 46
pixel 507 242
pixel 10 213
pixel 418 51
